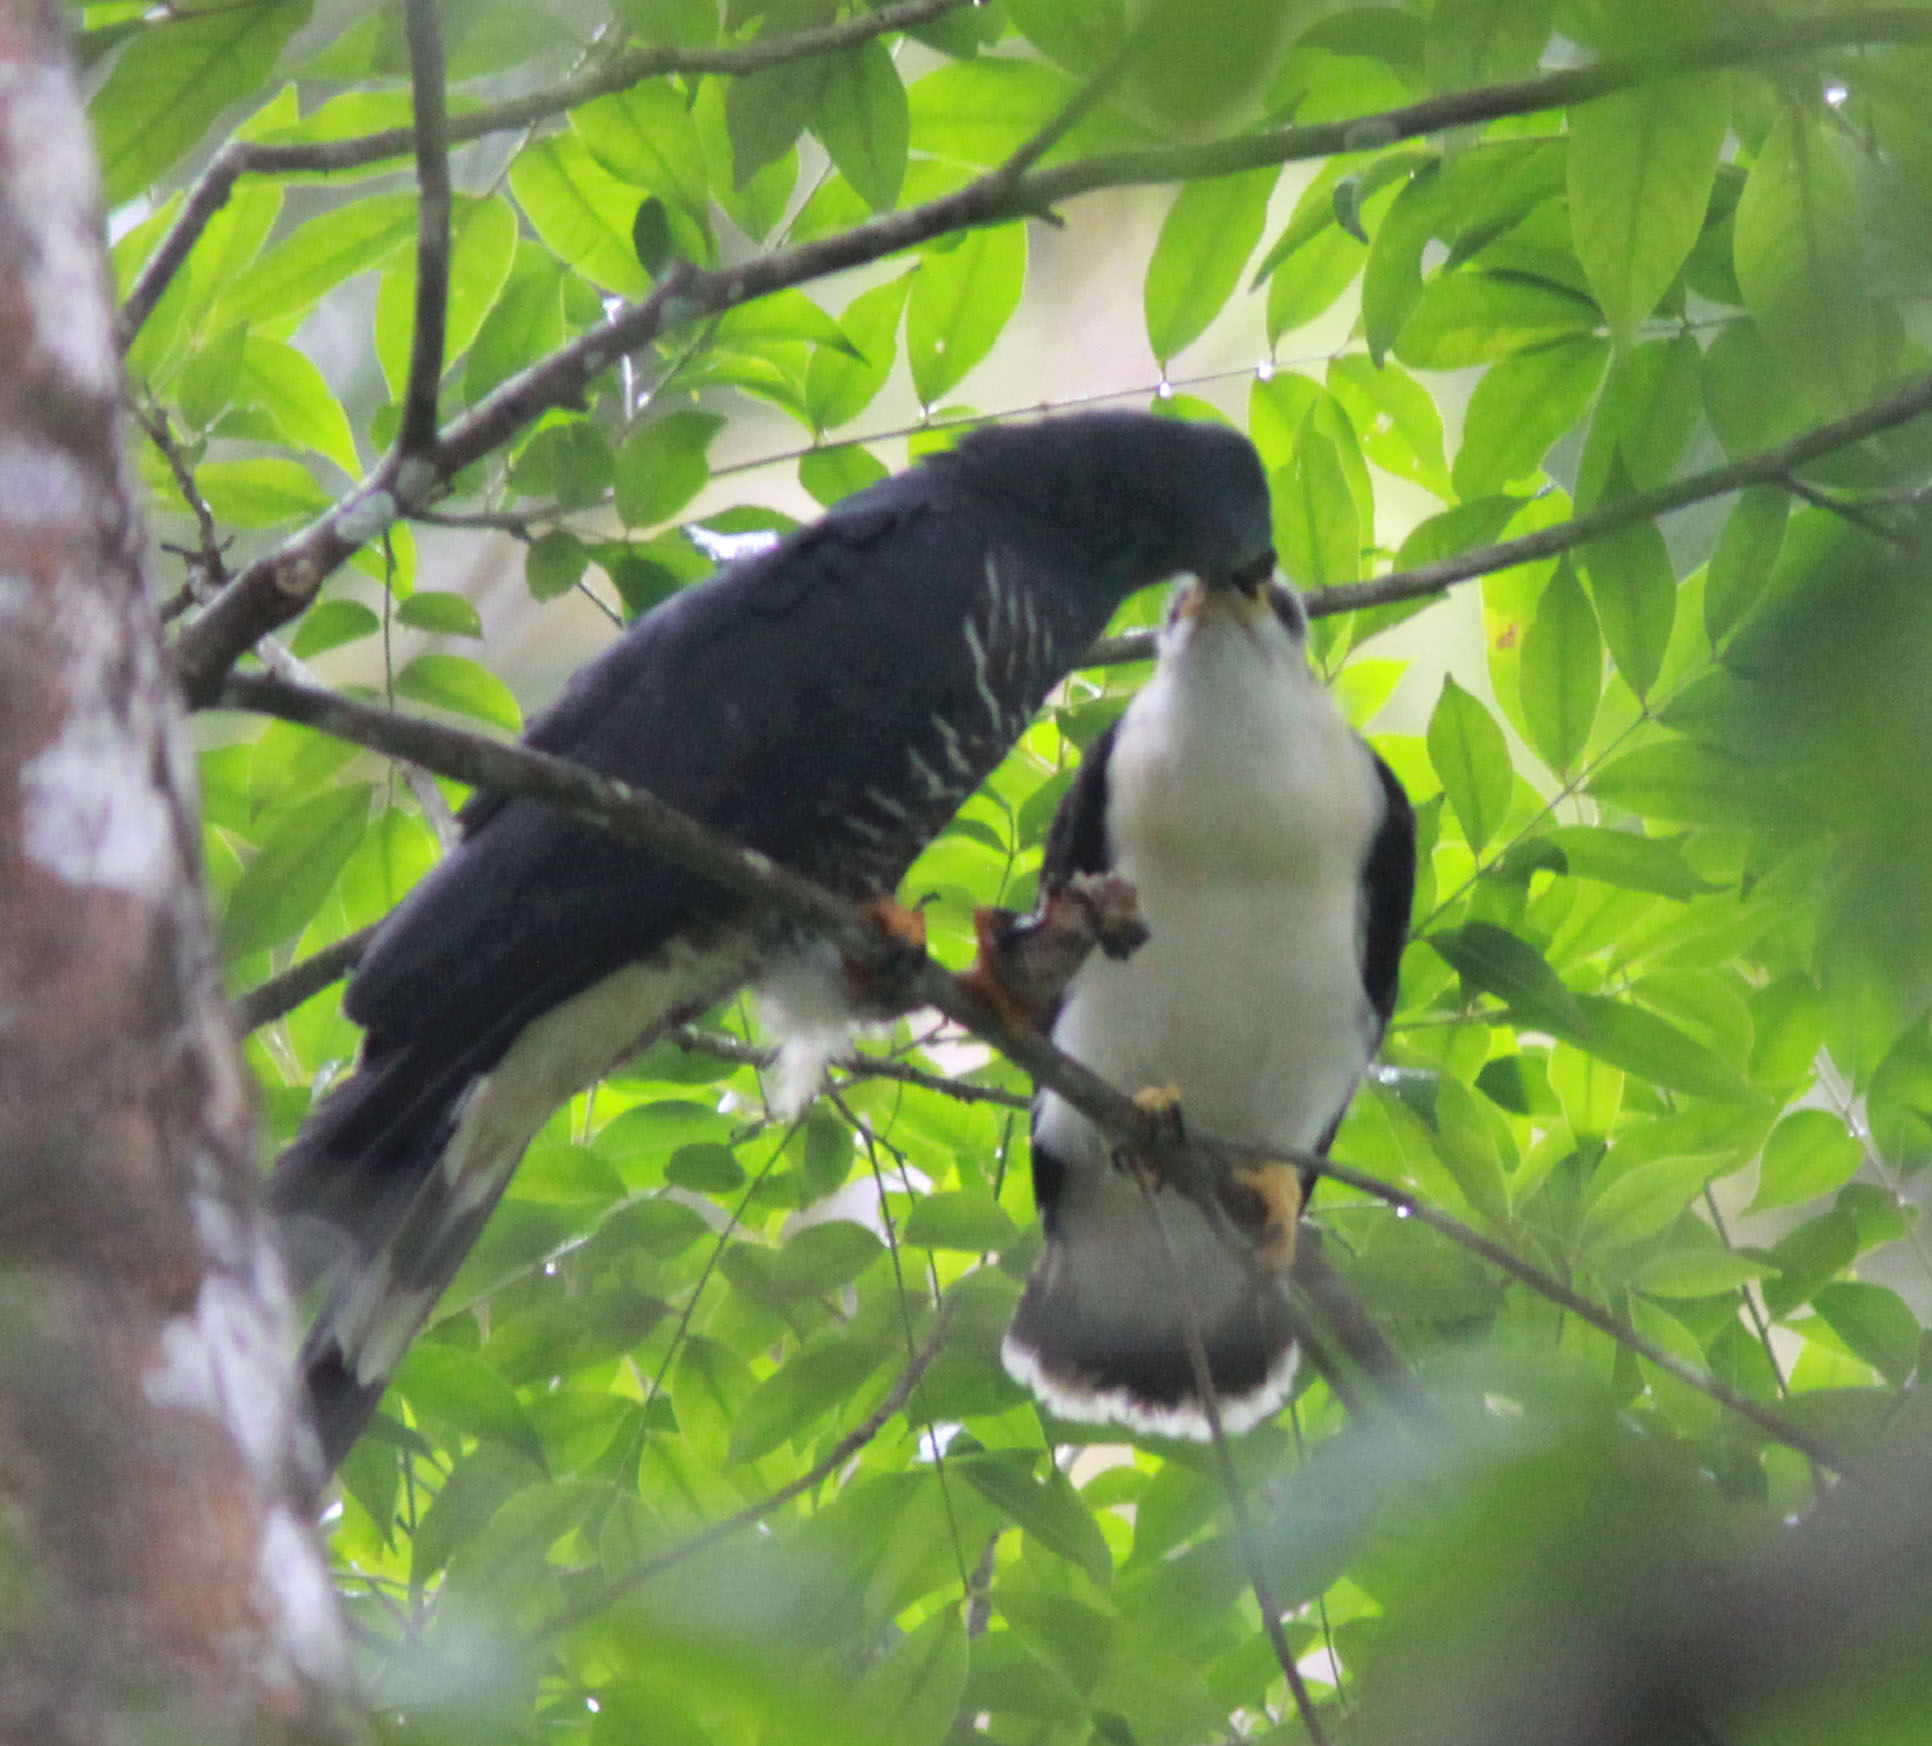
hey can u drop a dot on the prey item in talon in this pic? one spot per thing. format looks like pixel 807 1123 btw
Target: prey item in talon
pixel 1274 857
pixel 1023 963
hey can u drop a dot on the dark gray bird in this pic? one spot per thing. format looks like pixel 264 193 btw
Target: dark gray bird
pixel 1274 857
pixel 831 703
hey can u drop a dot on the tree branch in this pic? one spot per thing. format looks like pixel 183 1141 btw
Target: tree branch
pixel 630 67
pixel 1773 466
pixel 1195 1167
pixel 431 105
pixel 281 995
pixel 276 588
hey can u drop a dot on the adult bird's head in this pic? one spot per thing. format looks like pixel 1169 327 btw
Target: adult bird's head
pixel 1128 498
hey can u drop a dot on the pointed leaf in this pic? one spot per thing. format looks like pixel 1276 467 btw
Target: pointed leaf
pixel 1561 677
pixel 1205 241
pixel 294 870
pixel 1641 166
pixel 1471 756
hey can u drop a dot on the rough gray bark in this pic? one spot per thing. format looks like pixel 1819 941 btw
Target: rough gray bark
pixel 158 1577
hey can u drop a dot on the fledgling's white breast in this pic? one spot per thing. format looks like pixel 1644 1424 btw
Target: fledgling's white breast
pixel 1242 807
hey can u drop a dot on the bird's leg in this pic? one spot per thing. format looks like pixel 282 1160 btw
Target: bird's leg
pixel 876 990
pixel 1264 1201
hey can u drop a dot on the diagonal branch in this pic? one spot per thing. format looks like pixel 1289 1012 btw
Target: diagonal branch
pixel 1196 1166
pixel 431 104
pixel 1774 466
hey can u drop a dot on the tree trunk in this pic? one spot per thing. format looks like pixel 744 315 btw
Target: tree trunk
pixel 158 1577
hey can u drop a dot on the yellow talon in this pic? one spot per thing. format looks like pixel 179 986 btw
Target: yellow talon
pixel 1274 1215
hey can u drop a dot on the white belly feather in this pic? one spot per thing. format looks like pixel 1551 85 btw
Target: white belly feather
pixel 1242 808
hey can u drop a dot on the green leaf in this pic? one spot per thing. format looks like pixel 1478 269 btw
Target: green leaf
pixel 177 75
pixel 791 1401
pixel 1808 1154
pixel 580 210
pixel 840 385
pixel 1638 1203
pixel 1800 261
pixel 459 1389
pixel 1623 858
pixel 1635 591
pixel 265 492
pixel 1471 756
pixel 705 1168
pixel 968 1219
pixel 570 461
pixel 285 284
pixel 863 121
pixel 1475 42
pixel 1697 1273
pixel 295 868
pixel 910 1695
pixel 454 682
pixel 663 465
pixel 834 473
pixel 525 322
pixel 766 111
pixel 1521 407
pixel 1641 166
pixel 961 298
pixel 1400 425
pixel 1079 34
pixel 1874 1322
pixel 1205 241
pixel 823 1257
pixel 207 383
pixel 483 247
pixel 1392 274
pixel 1649 413
pixel 448 615
pixel 1746 551
pixel 1491 960
pixel 554 564
pixel 1561 677
pixel 1317 532
pixel 645 136
pixel 1470 317
pixel 1653 1048
pixel 329 624
pixel 1680 782
pixel 291 390
pixel 1050 1510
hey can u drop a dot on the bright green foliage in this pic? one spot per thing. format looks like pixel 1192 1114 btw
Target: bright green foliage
pixel 1663 1024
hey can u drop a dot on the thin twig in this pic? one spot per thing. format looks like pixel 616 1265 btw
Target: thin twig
pixel 856 1065
pixel 1180 1289
pixel 208 567
pixel 430 101
pixel 280 995
pixel 841 1452
pixel 1545 1284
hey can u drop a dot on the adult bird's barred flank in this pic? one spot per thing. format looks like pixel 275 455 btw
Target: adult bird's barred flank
pixel 1274 858
pixel 829 703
